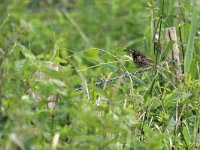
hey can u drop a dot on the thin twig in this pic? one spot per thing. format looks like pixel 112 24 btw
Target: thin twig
pixel 125 75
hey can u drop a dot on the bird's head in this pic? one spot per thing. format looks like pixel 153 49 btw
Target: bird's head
pixel 132 51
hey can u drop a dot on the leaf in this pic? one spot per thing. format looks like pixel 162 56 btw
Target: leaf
pixel 5 20
pixel 186 134
pixel 136 79
pixel 170 125
pixel 58 82
pixel 151 88
pixel 19 65
pixel 55 140
pixel 15 139
pixel 190 44
pixel 27 53
pixel 167 50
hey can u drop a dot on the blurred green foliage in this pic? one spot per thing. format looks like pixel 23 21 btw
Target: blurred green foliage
pixel 48 48
pixel 42 23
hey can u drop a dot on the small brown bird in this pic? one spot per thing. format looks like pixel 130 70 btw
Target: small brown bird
pixel 140 59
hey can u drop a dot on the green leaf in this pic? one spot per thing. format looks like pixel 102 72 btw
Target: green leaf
pixel 136 79
pixel 5 20
pixel 190 44
pixel 167 50
pixel 58 83
pixel 151 88
pixel 186 134
pixel 27 53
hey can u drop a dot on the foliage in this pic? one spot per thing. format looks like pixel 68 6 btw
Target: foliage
pixel 48 48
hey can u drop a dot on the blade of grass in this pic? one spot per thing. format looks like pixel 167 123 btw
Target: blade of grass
pixel 138 80
pixel 167 50
pixel 26 52
pixel 4 21
pixel 190 44
pixel 150 90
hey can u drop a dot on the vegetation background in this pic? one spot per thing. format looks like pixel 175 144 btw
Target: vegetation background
pixel 84 41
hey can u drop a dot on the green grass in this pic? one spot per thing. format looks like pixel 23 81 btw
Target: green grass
pixel 86 41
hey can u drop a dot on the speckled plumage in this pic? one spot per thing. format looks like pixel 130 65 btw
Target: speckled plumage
pixel 140 59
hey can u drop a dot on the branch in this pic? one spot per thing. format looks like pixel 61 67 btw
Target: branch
pixel 125 75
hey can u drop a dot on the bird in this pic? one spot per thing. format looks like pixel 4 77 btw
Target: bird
pixel 140 59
